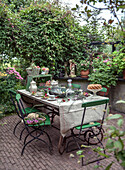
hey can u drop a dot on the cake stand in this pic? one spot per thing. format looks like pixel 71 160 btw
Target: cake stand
pixel 94 91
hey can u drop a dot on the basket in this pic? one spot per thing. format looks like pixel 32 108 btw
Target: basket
pixel 33 71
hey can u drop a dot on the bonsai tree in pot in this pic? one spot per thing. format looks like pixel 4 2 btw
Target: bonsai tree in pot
pixel 103 72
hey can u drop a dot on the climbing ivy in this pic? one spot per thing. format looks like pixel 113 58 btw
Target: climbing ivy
pixel 44 33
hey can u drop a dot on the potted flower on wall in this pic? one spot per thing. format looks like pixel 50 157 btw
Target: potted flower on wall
pixel 119 61
pixel 103 73
pixel 83 68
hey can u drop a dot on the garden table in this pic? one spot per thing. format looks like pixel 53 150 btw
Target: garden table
pixel 71 112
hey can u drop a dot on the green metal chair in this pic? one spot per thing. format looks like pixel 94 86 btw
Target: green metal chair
pixel 90 133
pixel 76 86
pixel 34 127
pixel 26 110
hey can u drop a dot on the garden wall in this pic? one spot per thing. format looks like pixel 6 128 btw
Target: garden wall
pixel 116 93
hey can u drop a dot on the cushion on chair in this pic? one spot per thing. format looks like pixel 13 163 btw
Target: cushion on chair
pixel 33 115
pixel 88 125
pixel 46 122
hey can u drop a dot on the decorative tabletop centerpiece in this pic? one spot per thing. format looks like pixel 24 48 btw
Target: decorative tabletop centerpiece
pixel 44 70
pixel 33 70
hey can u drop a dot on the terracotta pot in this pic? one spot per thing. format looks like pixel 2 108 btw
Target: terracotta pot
pixel 84 73
pixel 124 74
pixel 104 93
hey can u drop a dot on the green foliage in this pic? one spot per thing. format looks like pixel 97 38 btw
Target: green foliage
pixel 114 144
pixel 43 33
pixel 113 7
pixel 115 136
pixel 6 83
pixel 103 72
pixel 83 65
pixel 119 60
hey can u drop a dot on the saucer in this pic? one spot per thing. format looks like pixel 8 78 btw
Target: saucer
pixel 50 99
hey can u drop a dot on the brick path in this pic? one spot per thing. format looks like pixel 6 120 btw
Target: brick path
pixel 36 155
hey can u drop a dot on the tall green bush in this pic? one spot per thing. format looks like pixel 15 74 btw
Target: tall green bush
pixel 44 33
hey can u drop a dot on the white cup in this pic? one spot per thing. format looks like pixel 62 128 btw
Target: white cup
pixel 52 97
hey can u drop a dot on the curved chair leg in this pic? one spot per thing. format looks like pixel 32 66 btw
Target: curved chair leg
pixel 25 144
pixel 16 127
pixel 22 133
pixel 91 136
pixel 28 135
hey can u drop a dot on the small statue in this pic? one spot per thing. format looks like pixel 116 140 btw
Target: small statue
pixel 65 65
pixel 72 68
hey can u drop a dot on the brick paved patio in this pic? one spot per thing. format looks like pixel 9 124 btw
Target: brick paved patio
pixel 36 155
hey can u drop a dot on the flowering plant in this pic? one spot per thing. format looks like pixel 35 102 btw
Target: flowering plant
pixel 103 72
pixel 83 65
pixel 44 68
pixel 12 71
pixel 119 60
pixel 11 79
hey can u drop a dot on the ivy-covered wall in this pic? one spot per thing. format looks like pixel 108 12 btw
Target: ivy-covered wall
pixel 44 33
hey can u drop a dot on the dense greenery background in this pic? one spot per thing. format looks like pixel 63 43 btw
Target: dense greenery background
pixel 47 34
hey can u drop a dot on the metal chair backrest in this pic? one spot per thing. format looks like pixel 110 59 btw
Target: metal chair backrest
pixel 94 103
pixel 20 106
pixel 76 86
pixel 14 101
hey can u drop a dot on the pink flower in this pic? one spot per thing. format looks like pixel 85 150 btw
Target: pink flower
pixel 29 121
pixel 98 57
pixel 105 61
pixel 8 19
pixel 36 121
pixel 12 26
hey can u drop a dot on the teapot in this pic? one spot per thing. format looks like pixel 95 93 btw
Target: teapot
pixel 33 86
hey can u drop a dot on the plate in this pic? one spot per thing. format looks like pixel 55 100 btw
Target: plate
pixel 51 99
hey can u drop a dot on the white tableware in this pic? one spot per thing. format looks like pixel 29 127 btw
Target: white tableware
pixel 94 91
pixel 51 97
pixel 33 87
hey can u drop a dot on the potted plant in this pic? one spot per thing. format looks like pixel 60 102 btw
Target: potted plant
pixel 44 70
pixel 83 68
pixel 103 72
pixel 119 61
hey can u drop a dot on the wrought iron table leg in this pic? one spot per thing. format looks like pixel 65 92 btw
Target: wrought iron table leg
pixel 61 144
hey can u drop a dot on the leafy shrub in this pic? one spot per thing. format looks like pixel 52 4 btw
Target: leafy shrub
pixel 10 81
pixel 43 33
